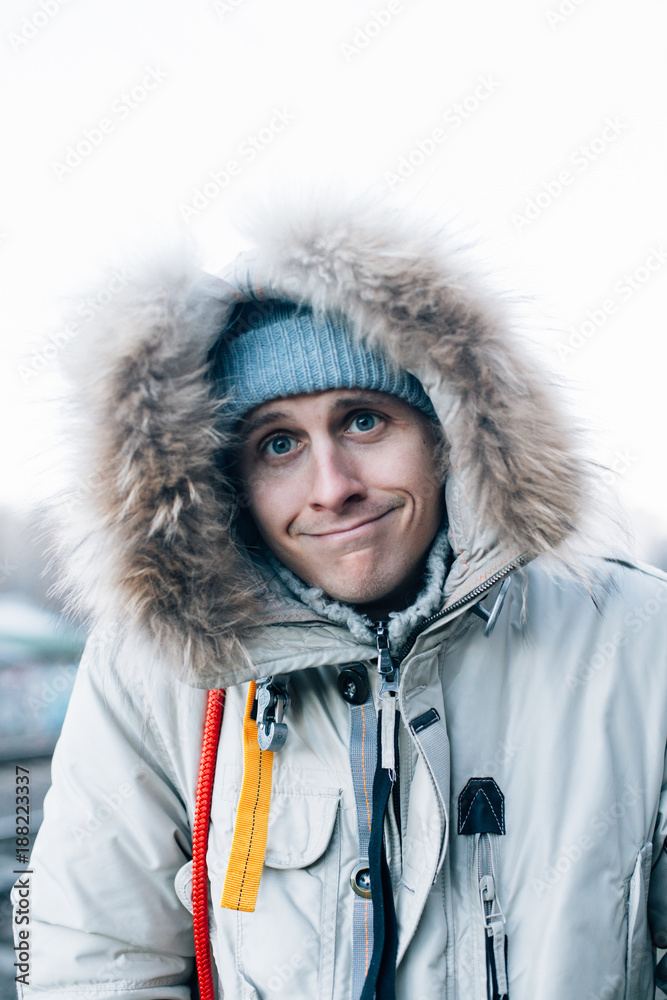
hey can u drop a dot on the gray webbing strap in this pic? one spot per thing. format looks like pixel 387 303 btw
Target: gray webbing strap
pixel 363 760
pixel 434 743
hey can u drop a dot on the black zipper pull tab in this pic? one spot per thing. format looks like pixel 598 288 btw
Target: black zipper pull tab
pixel 385 663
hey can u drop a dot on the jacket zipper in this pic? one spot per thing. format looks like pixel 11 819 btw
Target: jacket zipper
pixel 494 922
pixel 388 671
pixel 476 592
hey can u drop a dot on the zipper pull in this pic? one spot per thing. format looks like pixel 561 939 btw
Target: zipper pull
pixel 385 664
pixel 494 925
pixel 388 694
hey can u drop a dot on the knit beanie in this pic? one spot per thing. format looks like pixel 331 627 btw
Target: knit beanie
pixel 273 349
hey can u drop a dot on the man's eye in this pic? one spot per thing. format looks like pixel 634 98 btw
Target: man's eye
pixel 279 445
pixel 364 422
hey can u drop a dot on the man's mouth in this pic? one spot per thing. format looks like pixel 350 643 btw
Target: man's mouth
pixel 346 530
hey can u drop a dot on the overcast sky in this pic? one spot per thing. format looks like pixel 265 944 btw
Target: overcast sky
pixel 537 128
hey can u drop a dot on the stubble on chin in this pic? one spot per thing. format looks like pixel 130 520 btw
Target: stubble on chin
pixel 358 586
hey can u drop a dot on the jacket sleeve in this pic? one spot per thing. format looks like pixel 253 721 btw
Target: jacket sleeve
pixel 657 897
pixel 105 919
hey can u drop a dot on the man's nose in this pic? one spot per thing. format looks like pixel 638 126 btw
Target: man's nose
pixel 336 479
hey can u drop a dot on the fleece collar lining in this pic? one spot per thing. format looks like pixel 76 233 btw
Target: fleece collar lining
pixel 401 623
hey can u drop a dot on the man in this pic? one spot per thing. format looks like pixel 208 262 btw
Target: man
pixel 332 485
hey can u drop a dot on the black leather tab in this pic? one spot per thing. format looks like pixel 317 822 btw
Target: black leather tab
pixel 424 721
pixel 481 807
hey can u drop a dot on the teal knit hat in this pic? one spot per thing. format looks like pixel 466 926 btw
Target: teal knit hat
pixel 273 349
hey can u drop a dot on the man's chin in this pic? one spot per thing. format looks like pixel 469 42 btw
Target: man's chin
pixel 364 589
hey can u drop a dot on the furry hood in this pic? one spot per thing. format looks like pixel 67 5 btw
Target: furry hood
pixel 148 537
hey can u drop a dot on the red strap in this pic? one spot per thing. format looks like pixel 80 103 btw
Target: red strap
pixel 209 754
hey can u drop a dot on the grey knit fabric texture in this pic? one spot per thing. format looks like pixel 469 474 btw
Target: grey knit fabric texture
pixel 429 600
pixel 274 349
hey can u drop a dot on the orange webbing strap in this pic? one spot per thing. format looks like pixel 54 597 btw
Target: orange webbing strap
pixel 209 754
pixel 252 820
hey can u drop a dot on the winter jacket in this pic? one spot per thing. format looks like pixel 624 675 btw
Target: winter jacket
pixel 527 839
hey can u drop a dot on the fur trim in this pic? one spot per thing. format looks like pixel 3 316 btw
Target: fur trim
pixel 148 537
pixel 510 444
pixel 148 534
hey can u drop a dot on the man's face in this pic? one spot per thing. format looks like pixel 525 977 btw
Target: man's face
pixel 344 488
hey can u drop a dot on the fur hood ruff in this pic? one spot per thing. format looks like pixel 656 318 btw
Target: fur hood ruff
pixel 148 539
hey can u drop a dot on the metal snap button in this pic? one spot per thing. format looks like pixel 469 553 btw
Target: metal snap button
pixel 360 880
pixel 353 684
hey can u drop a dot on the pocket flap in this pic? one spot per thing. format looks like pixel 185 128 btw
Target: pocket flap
pixel 300 826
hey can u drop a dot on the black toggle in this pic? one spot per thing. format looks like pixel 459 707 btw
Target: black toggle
pixel 353 684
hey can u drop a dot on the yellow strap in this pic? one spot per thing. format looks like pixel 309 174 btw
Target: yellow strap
pixel 246 860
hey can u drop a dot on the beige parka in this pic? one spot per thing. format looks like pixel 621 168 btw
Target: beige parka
pixel 532 800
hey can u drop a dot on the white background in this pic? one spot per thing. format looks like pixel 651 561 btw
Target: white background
pixel 521 92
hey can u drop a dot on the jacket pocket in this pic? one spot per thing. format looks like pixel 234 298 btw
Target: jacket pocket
pixel 639 959
pixel 288 944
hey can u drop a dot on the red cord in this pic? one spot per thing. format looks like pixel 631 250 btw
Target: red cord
pixel 209 754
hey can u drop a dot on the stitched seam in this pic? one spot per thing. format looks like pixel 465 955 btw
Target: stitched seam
pixel 267 592
pixel 363 763
pixel 501 821
pixel 252 828
pixel 471 584
pixel 275 618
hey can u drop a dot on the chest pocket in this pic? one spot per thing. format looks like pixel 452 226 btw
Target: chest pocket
pixel 288 943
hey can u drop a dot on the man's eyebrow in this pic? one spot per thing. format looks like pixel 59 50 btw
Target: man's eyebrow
pixel 362 399
pixel 253 424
